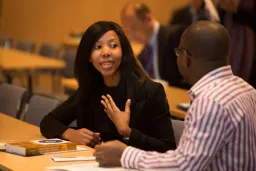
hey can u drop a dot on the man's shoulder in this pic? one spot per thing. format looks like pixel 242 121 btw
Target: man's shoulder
pixel 228 91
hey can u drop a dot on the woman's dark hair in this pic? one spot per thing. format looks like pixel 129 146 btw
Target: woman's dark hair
pixel 84 71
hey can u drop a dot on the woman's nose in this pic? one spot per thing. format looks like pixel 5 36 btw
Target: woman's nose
pixel 106 51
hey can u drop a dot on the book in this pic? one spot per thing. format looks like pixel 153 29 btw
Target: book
pixel 38 147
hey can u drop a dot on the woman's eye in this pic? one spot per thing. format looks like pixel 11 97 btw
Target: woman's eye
pixel 97 47
pixel 114 45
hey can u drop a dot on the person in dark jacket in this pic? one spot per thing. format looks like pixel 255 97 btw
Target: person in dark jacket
pixel 157 56
pixel 116 100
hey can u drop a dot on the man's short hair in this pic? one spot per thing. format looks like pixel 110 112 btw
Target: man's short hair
pixel 141 11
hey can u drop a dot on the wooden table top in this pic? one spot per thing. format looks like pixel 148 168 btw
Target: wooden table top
pixel 174 96
pixel 13 130
pixel 12 59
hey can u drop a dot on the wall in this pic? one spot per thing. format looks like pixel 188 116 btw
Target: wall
pixel 52 20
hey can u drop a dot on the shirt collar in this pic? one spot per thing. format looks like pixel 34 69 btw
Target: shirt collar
pixel 153 38
pixel 209 80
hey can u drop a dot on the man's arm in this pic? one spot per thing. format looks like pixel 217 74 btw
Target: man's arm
pixel 203 136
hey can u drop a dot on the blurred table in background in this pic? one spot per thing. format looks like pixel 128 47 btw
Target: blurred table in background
pixel 15 60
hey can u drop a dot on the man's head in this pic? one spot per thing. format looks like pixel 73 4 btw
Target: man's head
pixel 137 22
pixel 204 46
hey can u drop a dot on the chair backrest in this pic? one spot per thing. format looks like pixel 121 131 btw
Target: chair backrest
pixel 12 99
pixel 49 50
pixel 178 127
pixel 5 41
pixel 38 107
pixel 27 46
pixel 73 124
pixel 69 56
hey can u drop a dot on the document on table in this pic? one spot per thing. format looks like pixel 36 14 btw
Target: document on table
pixel 2 146
pixel 82 167
pixel 77 158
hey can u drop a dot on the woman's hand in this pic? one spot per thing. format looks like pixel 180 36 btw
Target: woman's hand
pixel 121 119
pixel 82 137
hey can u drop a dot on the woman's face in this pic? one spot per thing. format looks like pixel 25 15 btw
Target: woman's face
pixel 107 54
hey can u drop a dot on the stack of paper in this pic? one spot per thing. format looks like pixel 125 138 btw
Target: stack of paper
pixel 82 167
pixel 2 146
pixel 78 158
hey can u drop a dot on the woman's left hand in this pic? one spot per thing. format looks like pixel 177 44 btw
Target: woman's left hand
pixel 121 119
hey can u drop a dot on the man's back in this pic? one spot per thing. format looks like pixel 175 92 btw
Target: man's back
pixel 226 105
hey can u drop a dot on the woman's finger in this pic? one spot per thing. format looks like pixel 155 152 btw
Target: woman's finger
pixel 112 103
pixel 104 104
pixel 109 108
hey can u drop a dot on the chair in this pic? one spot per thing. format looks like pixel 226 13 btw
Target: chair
pixel 12 98
pixel 5 41
pixel 27 46
pixel 69 57
pixel 48 50
pixel 73 124
pixel 38 107
pixel 178 127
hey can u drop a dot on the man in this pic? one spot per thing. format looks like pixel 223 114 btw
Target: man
pixel 197 10
pixel 220 125
pixel 157 57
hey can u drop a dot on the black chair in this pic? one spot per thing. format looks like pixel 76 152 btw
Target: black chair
pixel 12 99
pixel 27 46
pixel 38 107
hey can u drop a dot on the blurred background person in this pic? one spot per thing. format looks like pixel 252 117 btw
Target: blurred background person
pixel 157 57
pixel 239 19
pixel 195 11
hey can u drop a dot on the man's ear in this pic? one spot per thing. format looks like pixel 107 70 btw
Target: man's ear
pixel 147 20
pixel 188 61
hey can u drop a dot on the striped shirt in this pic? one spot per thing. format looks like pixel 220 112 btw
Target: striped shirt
pixel 219 132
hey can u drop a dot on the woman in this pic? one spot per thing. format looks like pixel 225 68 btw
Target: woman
pixel 115 100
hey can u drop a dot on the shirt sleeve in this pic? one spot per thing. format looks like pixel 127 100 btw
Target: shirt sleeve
pixel 204 134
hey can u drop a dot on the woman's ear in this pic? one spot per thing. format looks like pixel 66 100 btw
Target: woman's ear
pixel 90 60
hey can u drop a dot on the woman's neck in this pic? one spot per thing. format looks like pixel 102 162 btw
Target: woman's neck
pixel 113 80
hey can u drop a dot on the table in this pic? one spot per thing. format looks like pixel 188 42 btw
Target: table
pixel 11 59
pixel 174 96
pixel 13 130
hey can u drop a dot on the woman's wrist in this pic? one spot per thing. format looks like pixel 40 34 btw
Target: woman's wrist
pixel 67 134
pixel 126 132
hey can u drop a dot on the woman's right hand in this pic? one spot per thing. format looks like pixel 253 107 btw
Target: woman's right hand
pixel 82 136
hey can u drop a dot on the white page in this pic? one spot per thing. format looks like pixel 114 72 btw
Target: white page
pixel 2 146
pixel 77 158
pixel 82 167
